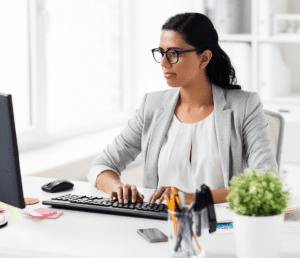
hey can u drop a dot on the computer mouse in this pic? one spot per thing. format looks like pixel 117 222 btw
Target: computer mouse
pixel 57 186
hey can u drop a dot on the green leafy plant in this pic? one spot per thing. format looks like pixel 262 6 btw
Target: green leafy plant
pixel 257 194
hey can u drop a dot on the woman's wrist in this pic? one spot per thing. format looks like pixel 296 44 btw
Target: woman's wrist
pixel 189 198
pixel 218 195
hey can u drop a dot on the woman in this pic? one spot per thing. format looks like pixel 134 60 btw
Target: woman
pixel 204 130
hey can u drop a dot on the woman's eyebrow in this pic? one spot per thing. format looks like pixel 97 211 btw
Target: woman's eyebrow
pixel 170 48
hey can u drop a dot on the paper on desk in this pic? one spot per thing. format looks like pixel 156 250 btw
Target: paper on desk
pixel 223 215
pixel 223 204
pixel 12 210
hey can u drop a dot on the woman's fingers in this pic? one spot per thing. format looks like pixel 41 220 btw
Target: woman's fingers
pixel 120 194
pixel 126 193
pixel 111 195
pixel 133 193
pixel 150 199
pixel 160 191
pixel 141 196
pixel 161 199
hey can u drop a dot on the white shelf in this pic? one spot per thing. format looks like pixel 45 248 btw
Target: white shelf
pixel 236 37
pixel 273 62
pixel 287 38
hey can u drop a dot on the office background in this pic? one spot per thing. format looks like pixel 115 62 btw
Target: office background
pixel 77 71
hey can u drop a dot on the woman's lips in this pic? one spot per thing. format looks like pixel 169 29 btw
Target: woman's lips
pixel 168 75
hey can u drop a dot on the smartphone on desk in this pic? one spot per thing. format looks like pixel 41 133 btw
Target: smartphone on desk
pixel 153 235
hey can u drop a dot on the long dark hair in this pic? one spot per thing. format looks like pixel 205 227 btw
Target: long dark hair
pixel 199 32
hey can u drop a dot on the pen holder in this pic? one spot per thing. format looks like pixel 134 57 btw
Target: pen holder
pixel 185 235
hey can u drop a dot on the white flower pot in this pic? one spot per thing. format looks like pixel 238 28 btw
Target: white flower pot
pixel 258 236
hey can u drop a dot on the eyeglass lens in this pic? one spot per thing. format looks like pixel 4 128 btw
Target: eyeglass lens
pixel 172 55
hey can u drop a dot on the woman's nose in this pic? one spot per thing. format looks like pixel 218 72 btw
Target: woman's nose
pixel 164 61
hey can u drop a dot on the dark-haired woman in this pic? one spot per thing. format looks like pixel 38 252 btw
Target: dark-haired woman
pixel 204 130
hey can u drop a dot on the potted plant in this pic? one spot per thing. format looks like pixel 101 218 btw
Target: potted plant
pixel 258 202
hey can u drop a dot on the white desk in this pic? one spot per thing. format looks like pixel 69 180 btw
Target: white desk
pixel 84 234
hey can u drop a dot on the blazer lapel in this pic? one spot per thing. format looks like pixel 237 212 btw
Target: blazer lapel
pixel 223 130
pixel 162 120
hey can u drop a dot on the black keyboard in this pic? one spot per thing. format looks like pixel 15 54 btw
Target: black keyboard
pixel 103 205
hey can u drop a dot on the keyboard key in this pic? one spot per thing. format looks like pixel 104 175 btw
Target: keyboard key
pixel 107 203
pixel 126 206
pixel 74 197
pixel 99 203
pixel 138 206
pixel 91 197
pixel 150 207
pixel 79 196
pixel 161 207
pixel 165 209
pixel 155 207
pixel 115 204
pixel 120 205
pixel 132 206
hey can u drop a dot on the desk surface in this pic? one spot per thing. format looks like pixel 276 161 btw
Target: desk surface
pixel 84 234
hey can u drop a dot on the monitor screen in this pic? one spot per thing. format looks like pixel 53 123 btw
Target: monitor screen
pixel 11 190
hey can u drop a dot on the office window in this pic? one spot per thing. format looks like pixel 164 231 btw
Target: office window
pixel 14 58
pixel 62 62
pixel 83 62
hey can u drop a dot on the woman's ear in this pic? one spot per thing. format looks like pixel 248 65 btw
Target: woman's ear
pixel 205 58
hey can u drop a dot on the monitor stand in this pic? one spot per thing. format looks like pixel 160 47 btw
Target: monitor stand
pixel 3 220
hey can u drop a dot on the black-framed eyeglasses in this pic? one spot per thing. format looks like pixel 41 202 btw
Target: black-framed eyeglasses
pixel 172 54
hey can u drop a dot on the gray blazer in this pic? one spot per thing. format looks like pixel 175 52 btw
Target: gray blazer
pixel 240 126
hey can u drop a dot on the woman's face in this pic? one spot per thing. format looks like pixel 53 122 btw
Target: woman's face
pixel 189 68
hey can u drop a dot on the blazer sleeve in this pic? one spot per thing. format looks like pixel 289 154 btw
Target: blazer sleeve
pixel 255 137
pixel 123 150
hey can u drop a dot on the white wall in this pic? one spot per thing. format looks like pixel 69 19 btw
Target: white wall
pixel 149 17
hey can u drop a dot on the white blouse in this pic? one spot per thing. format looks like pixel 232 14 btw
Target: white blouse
pixel 197 141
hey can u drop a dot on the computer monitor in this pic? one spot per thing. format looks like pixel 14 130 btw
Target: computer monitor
pixel 11 190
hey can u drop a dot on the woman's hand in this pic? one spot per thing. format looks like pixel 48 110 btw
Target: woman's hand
pixel 166 192
pixel 128 193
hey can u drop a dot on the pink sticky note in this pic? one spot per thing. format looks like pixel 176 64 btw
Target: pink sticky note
pixel 59 213
pixel 33 214
pixel 45 212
